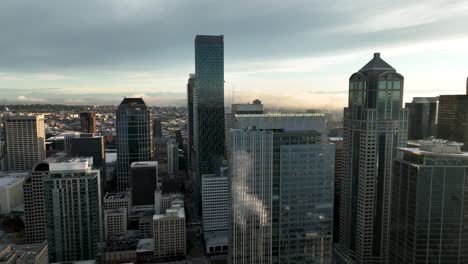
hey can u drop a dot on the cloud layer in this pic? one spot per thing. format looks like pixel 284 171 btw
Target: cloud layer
pixel 97 51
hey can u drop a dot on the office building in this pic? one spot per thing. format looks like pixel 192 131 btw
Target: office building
pixel 281 196
pixel 169 233
pixel 117 200
pixel 145 226
pixel 215 202
pixel 88 122
pixel 256 107
pixel 24 254
pixel 208 107
pixel 144 178
pixel 452 118
pixel 339 174
pixel 422 117
pixel 429 205
pixel 115 223
pixel 24 140
pixel 11 190
pixel 191 150
pixel 134 138
pixel 374 126
pixel 289 122
pixel 164 200
pixel 73 209
pixel 120 250
pixel 172 160
pixel 88 145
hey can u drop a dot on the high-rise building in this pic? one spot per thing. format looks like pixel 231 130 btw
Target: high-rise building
pixel 73 209
pixel 157 129
pixel 281 193
pixel 215 202
pixel 115 223
pixel 452 118
pixel 25 141
pixel 191 150
pixel 422 117
pixel 144 182
pixel 134 138
pixel 172 160
pixel 117 200
pixel 339 174
pixel 429 216
pixel 208 106
pixel 88 122
pixel 256 107
pixel 374 126
pixel 88 145
pixel 169 233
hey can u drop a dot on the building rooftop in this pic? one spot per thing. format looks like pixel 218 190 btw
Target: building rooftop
pixel 175 211
pixel 436 147
pixel 377 64
pixel 281 115
pixel 216 238
pixel 138 164
pixel 131 101
pixel 115 196
pixel 10 181
pixel 145 245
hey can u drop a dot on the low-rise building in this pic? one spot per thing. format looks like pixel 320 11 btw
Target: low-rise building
pixel 169 233
pixel 24 254
pixel 115 222
pixel 11 190
pixel 117 200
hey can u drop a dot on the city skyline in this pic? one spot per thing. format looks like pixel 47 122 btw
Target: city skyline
pixel 299 52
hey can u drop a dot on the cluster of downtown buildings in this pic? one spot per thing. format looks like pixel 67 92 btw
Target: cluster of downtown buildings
pixel 265 187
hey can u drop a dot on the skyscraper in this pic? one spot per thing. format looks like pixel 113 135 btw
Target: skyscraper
pixel 429 220
pixel 134 138
pixel 25 141
pixel 452 118
pixel 374 126
pixel 73 209
pixel 281 192
pixel 191 150
pixel 88 122
pixel 339 173
pixel 422 117
pixel 208 106
pixel 88 145
pixel 172 159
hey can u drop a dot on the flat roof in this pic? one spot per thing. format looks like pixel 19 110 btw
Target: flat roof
pixel 216 238
pixel 281 115
pixel 419 151
pixel 137 164
pixel 117 195
pixel 9 181
pixel 145 245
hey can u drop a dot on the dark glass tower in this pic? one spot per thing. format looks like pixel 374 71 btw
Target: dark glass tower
pixel 134 138
pixel 88 122
pixel 421 119
pixel 190 87
pixel 452 118
pixel 429 216
pixel 208 106
pixel 374 126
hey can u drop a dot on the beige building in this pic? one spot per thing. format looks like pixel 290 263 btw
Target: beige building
pixel 117 200
pixel 11 190
pixel 115 222
pixel 24 254
pixel 169 233
pixel 25 141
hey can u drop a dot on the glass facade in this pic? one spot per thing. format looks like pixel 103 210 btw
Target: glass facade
pixel 134 138
pixel 72 203
pixel 422 117
pixel 429 220
pixel 281 197
pixel 208 108
pixel 374 125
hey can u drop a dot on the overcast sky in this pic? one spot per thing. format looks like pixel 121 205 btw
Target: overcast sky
pixel 287 53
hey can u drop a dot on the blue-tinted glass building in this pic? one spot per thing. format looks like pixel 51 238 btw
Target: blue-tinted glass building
pixel 134 138
pixel 208 106
pixel 281 193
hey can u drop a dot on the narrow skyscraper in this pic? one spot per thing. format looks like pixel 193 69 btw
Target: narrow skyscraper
pixel 191 150
pixel 24 140
pixel 374 126
pixel 208 106
pixel 134 138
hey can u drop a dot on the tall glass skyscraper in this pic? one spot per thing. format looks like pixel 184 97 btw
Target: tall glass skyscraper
pixel 374 126
pixel 281 194
pixel 422 117
pixel 429 216
pixel 134 138
pixel 190 88
pixel 208 106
